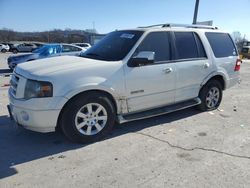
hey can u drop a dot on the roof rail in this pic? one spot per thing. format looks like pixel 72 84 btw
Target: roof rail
pixel 182 25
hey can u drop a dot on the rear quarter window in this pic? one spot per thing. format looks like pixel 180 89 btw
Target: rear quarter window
pixel 221 44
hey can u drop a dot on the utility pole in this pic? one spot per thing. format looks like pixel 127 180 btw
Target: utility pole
pixel 48 37
pixel 196 11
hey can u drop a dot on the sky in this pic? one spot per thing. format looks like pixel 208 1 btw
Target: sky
pixel 109 15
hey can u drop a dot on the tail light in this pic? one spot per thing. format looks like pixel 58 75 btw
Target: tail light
pixel 237 65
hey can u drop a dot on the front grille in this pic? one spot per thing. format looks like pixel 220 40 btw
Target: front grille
pixel 14 83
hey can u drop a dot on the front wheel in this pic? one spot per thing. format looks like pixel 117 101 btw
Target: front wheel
pixel 88 117
pixel 210 95
pixel 4 50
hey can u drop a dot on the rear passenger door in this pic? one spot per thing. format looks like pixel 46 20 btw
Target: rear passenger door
pixel 192 64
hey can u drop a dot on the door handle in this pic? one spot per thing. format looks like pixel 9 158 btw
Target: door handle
pixel 167 70
pixel 206 65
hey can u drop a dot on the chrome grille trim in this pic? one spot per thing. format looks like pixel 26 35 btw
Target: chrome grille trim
pixel 17 85
pixel 14 83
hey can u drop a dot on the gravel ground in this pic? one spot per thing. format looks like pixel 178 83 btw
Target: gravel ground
pixel 181 149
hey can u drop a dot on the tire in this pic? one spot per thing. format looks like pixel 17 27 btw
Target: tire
pixel 15 51
pixel 210 96
pixel 80 122
pixel 3 50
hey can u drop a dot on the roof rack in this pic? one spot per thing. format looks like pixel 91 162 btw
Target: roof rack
pixel 181 25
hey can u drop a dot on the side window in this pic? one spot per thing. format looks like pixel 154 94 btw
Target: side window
pixel 186 45
pixel 221 44
pixel 75 49
pixel 157 42
pixel 66 49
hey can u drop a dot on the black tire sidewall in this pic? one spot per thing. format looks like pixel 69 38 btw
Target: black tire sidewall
pixel 68 117
pixel 203 94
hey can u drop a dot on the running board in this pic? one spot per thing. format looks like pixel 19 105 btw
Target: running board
pixel 158 111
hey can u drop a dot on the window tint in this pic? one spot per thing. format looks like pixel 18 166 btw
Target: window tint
pixel 157 42
pixel 75 49
pixel 186 45
pixel 68 48
pixel 201 50
pixel 28 45
pixel 221 44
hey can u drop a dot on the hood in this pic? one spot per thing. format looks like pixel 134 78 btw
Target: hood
pixel 22 58
pixel 61 65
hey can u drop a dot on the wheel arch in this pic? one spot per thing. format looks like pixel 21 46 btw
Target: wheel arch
pixel 221 78
pixel 103 92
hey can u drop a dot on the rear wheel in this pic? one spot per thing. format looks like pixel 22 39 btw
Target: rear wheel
pixel 210 95
pixel 15 51
pixel 88 117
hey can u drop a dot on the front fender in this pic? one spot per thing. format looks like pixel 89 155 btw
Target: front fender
pixel 100 84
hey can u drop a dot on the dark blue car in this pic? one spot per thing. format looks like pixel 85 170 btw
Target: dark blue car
pixel 48 50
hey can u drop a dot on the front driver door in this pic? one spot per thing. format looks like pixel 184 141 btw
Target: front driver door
pixel 153 85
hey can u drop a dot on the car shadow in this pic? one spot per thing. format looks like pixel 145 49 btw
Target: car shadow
pixel 18 145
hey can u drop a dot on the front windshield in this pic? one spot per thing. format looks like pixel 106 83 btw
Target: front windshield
pixel 113 47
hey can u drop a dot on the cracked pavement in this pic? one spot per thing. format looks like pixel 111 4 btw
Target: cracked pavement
pixel 181 149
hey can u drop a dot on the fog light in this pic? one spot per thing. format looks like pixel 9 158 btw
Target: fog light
pixel 24 115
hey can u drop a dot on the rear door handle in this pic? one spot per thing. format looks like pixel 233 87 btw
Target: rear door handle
pixel 167 70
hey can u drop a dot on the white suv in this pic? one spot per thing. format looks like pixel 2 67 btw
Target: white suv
pixel 128 75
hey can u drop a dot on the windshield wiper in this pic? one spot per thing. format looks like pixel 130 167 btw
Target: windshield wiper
pixel 93 54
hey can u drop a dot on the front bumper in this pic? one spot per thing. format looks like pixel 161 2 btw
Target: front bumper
pixel 38 115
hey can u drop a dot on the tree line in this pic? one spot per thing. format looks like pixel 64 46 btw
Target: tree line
pixel 52 36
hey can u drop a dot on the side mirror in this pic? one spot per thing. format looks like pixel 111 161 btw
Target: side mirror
pixel 142 58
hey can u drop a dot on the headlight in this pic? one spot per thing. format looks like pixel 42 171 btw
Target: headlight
pixel 38 89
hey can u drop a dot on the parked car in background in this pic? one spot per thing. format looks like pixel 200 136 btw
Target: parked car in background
pixel 47 50
pixel 84 45
pixel 4 48
pixel 11 45
pixel 24 47
pixel 246 43
pixel 245 52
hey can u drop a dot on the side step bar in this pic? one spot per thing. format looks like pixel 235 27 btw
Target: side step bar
pixel 158 111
